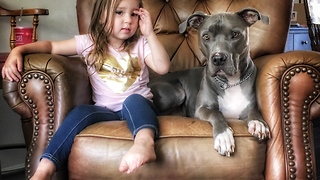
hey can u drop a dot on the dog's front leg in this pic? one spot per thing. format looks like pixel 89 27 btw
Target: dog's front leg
pixel 223 135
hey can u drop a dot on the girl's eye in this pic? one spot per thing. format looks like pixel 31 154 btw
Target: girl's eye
pixel 119 12
pixel 134 14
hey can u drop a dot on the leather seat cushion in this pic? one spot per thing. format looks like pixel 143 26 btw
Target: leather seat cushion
pixel 185 150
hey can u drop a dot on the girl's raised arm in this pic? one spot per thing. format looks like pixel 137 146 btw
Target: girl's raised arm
pixel 159 59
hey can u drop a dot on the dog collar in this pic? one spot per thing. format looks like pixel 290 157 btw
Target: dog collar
pixel 223 85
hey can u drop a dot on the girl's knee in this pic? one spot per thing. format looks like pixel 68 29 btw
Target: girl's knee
pixel 134 99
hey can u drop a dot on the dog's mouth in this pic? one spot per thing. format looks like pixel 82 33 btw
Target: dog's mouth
pixel 220 71
pixel 217 72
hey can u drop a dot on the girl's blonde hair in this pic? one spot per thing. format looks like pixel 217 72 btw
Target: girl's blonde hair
pixel 100 31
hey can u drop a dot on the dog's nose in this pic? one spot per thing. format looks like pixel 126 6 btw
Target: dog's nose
pixel 219 59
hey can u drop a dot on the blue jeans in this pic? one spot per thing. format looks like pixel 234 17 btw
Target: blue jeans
pixel 138 111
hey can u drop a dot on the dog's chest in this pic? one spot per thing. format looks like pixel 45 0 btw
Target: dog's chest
pixel 233 102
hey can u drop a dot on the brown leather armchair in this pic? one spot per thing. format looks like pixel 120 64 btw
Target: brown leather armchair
pixel 288 86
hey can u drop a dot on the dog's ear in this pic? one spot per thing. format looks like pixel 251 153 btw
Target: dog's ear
pixel 193 20
pixel 251 16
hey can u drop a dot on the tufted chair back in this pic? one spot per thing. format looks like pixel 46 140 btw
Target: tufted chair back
pixel 183 49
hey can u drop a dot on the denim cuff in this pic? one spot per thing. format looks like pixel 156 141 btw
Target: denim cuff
pixel 149 126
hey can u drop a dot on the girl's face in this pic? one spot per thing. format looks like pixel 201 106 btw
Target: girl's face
pixel 125 23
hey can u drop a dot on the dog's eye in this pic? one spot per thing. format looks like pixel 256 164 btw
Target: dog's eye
pixel 205 37
pixel 235 34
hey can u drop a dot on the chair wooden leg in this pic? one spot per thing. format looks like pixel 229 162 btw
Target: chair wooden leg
pixel 35 25
pixel 12 33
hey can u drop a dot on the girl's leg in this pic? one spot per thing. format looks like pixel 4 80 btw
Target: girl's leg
pixel 140 113
pixel 142 120
pixel 59 147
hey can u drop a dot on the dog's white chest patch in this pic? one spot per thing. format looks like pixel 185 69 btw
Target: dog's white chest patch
pixel 232 103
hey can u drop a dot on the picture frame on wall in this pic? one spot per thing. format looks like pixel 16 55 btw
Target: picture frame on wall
pixel 294 16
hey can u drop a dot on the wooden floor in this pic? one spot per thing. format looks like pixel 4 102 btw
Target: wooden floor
pixel 18 176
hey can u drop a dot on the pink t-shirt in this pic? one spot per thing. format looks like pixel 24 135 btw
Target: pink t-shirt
pixel 102 94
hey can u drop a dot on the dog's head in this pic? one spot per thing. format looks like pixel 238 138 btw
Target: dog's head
pixel 224 39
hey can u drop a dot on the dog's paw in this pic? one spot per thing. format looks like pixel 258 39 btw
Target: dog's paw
pixel 258 129
pixel 224 143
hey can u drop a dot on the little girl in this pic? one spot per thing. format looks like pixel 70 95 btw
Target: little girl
pixel 117 57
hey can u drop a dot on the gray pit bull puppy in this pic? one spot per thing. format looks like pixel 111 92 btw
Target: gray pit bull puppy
pixel 225 87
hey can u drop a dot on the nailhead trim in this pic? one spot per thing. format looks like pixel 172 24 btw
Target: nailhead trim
pixel 45 79
pixel 305 120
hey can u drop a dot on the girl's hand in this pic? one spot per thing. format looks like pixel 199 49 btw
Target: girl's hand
pixel 145 22
pixel 13 66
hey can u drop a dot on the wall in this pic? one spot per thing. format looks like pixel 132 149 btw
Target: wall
pixel 10 124
pixel 300 13
pixel 61 23
pixel 10 133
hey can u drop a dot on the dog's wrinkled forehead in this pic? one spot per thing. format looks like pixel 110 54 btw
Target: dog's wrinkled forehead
pixel 222 22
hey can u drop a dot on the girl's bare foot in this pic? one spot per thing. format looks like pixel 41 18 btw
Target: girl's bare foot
pixel 44 171
pixel 140 153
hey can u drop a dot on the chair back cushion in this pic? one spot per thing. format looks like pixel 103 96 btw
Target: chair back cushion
pixel 183 49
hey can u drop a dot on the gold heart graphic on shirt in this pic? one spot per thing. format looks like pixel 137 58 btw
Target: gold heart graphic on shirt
pixel 120 74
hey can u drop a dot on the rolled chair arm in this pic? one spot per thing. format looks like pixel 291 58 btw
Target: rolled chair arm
pixel 50 87
pixel 288 87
